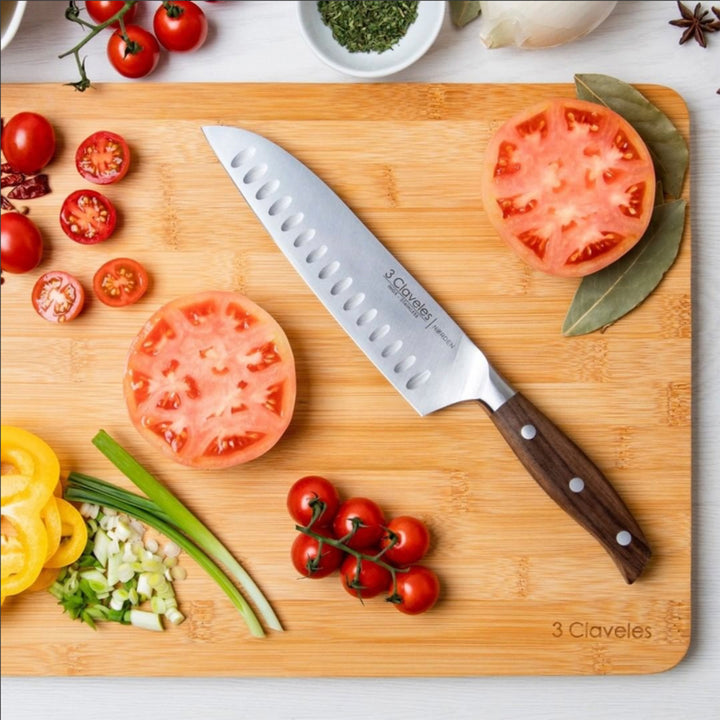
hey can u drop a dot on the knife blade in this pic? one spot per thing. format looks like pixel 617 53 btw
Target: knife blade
pixel 412 341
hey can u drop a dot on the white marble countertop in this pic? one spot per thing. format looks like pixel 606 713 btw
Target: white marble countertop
pixel 261 42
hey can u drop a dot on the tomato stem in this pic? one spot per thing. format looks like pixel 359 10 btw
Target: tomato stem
pixel 72 13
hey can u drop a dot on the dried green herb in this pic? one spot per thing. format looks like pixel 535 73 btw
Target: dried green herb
pixel 605 296
pixel 464 11
pixel 667 146
pixel 368 25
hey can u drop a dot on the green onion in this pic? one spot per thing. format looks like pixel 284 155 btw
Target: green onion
pixel 178 524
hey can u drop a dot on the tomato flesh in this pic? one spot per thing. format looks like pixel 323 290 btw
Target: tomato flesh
pixel 58 297
pixel 210 380
pixel 88 217
pixel 120 282
pixel 569 185
pixel 103 158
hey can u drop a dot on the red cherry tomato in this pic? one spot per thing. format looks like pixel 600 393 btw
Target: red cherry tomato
pixel 58 297
pixel 28 142
pixel 312 560
pixel 312 492
pixel 87 217
pixel 22 245
pixel 137 58
pixel 362 519
pixel 364 578
pixel 417 590
pixel 102 10
pixel 407 540
pixel 180 26
pixel 103 158
pixel 569 185
pixel 120 282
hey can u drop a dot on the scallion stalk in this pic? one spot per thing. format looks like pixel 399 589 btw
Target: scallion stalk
pixel 180 517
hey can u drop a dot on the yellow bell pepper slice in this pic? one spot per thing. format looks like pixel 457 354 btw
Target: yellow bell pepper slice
pixel 30 473
pixel 50 516
pixel 74 536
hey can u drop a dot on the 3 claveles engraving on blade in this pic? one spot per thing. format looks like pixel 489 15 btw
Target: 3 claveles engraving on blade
pixel 405 292
pixel 588 630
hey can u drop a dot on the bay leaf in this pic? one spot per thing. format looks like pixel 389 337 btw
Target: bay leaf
pixel 667 146
pixel 607 295
pixel 463 11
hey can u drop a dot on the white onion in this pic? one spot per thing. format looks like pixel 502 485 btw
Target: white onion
pixel 539 23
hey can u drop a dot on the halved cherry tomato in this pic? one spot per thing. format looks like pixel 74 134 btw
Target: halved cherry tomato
pixel 102 10
pixel 210 380
pixel 22 244
pixel 569 185
pixel 28 142
pixel 137 58
pixel 120 282
pixel 180 26
pixel 103 157
pixel 88 217
pixel 58 297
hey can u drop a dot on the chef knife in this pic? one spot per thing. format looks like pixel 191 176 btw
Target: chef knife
pixel 414 343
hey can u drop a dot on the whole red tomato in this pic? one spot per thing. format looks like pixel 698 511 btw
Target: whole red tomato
pixel 136 58
pixel 22 245
pixel 180 26
pixel 417 590
pixel 407 540
pixel 359 522
pixel 312 494
pixel 364 578
pixel 313 560
pixel 28 142
pixel 102 10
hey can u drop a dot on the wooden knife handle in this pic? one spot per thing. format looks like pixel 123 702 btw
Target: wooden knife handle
pixel 570 478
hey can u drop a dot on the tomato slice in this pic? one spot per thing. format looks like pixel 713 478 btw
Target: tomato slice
pixel 103 157
pixel 88 217
pixel 210 380
pixel 120 282
pixel 58 297
pixel 569 185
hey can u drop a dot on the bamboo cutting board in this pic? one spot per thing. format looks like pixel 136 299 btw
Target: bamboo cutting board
pixel 525 589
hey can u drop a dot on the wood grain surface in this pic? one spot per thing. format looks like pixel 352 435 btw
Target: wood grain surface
pixel 525 589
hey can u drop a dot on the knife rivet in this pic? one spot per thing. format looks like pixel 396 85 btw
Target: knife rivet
pixel 528 432
pixel 577 484
pixel 623 538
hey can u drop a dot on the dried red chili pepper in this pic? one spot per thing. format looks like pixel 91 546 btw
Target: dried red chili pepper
pixel 11 179
pixel 32 187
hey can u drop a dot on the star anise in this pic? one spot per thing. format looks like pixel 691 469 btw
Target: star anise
pixel 696 23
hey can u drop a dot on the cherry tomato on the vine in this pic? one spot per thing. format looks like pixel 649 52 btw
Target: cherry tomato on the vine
pixel 364 578
pixel 22 244
pixel 87 217
pixel 312 492
pixel 58 297
pixel 407 540
pixel 103 158
pixel 102 10
pixel 180 26
pixel 313 561
pixel 28 142
pixel 137 58
pixel 363 518
pixel 120 282
pixel 417 591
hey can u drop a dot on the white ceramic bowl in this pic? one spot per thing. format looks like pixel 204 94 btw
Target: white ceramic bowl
pixel 11 13
pixel 416 42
